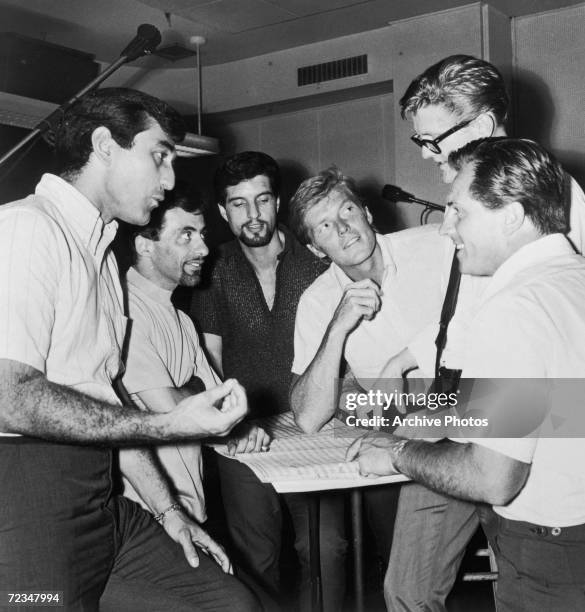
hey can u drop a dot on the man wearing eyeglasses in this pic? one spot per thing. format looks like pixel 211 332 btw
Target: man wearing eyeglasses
pixel 455 101
pixel 461 99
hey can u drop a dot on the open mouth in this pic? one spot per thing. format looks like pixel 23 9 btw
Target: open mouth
pixel 193 266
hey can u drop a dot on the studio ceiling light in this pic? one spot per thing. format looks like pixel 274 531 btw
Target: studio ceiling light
pixel 197 144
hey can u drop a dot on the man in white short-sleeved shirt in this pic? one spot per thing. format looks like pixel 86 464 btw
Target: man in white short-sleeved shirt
pixel 377 294
pixel 64 530
pixel 506 214
pixel 165 362
pixel 411 291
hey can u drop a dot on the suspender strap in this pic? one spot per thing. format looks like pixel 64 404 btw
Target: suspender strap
pixel 447 311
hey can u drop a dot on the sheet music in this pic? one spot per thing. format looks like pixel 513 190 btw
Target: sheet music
pixel 297 456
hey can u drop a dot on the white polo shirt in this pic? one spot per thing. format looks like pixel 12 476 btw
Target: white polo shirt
pixel 61 306
pixel 531 324
pixel 164 351
pixel 472 288
pixel 414 261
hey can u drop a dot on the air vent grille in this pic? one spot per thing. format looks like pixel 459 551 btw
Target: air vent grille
pixel 329 71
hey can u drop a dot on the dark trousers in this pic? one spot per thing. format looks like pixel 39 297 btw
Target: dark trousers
pixel 539 568
pixel 62 530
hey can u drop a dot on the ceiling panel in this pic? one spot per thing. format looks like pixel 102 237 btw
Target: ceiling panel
pixel 238 15
pixel 177 6
pixel 235 29
pixel 310 7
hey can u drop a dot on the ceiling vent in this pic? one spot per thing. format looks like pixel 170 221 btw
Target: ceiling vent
pixel 329 71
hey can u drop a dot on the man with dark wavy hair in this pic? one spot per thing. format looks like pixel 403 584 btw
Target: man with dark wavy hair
pixel 247 316
pixel 62 330
pixel 506 216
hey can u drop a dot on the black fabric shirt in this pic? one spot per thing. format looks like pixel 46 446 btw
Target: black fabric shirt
pixel 257 343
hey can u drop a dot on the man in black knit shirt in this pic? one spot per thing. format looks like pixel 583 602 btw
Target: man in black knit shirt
pixel 247 316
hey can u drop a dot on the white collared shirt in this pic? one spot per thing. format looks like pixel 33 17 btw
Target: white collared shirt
pixel 61 306
pixel 411 300
pixel 472 288
pixel 530 324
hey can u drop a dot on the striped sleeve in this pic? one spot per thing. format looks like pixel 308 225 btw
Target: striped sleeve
pixel 29 279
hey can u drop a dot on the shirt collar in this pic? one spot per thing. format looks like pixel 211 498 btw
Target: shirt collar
pixel 290 242
pixel 533 254
pixel 79 211
pixel 156 293
pixel 387 258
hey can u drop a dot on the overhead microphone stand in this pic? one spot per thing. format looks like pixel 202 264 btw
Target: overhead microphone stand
pixel 395 194
pixel 145 42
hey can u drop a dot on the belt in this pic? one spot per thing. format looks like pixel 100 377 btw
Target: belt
pixel 571 532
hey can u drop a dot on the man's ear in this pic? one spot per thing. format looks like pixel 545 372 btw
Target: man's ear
pixel 318 252
pixel 514 216
pixel 223 212
pixel 143 246
pixel 484 125
pixel 368 215
pixel 103 143
pixel 277 203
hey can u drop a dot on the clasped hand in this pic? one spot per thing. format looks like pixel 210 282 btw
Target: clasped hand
pixel 375 453
pixel 248 438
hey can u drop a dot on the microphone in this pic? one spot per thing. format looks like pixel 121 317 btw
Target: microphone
pixel 395 194
pixel 145 42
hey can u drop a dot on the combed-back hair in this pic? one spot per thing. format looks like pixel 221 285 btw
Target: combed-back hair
pixel 183 196
pixel 518 170
pixel 125 112
pixel 312 191
pixel 465 85
pixel 243 167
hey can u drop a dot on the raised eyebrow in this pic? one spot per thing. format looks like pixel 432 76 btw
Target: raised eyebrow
pixel 169 146
pixel 264 193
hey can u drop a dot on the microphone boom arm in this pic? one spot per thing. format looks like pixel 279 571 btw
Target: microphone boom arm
pixel 130 53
